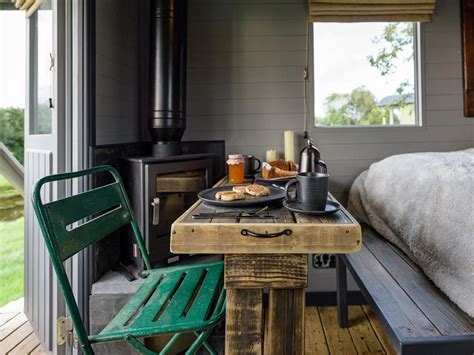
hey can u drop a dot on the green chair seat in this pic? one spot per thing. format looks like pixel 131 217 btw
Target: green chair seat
pixel 171 300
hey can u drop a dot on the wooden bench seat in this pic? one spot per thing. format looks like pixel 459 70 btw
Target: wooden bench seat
pixel 416 316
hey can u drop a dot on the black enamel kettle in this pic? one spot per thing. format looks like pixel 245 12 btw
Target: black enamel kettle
pixel 310 159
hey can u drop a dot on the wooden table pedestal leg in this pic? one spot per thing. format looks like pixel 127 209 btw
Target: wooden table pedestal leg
pixel 245 278
pixel 244 322
pixel 285 329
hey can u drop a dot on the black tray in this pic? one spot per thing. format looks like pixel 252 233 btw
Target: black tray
pixel 209 197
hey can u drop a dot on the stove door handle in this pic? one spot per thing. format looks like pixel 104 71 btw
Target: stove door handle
pixel 156 211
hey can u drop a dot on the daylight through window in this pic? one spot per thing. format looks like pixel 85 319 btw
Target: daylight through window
pixel 364 74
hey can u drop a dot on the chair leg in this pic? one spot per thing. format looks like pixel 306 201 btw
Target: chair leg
pixel 341 278
pixel 138 346
pixel 200 340
pixel 210 348
pixel 170 344
pixel 208 345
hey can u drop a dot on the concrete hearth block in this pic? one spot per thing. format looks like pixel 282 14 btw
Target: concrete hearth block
pixel 115 283
pixel 108 296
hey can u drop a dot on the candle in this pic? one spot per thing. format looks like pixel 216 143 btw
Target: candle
pixel 289 145
pixel 271 155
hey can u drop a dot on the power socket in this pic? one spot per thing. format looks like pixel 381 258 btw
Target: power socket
pixel 324 261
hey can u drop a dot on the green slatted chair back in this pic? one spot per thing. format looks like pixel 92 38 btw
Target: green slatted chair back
pixel 73 223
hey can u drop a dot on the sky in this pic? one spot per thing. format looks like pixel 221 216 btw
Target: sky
pixel 12 58
pixel 341 65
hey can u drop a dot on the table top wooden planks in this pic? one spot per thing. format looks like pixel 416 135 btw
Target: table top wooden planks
pixel 335 233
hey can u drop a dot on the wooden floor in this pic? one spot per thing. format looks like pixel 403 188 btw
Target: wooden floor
pixel 323 335
pixel 17 336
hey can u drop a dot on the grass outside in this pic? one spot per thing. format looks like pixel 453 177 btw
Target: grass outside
pixel 11 246
pixel 4 184
pixel 11 261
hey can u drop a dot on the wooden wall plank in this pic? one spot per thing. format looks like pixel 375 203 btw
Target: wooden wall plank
pixel 467 10
pixel 368 151
pixel 244 75
pixel 443 71
pixel 38 270
pixel 240 27
pixel 238 91
pixel 249 11
pixel 251 130
pixel 218 43
pixel 117 68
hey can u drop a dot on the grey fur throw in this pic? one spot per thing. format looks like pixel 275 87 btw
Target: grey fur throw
pixel 424 204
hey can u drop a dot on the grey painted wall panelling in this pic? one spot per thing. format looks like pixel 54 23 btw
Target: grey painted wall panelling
pixel 117 72
pixel 39 285
pixel 245 62
pixel 244 86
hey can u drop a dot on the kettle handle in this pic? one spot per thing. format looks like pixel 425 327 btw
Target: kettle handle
pixel 257 169
pixel 325 167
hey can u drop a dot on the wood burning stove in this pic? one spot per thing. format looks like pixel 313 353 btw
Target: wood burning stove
pixel 162 186
pixel 162 177
pixel 160 190
pixel 174 180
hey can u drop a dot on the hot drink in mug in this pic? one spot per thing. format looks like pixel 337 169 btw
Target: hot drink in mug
pixel 311 190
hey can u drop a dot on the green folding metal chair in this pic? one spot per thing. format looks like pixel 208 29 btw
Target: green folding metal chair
pixel 172 300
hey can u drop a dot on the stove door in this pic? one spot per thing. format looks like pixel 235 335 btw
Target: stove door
pixel 171 188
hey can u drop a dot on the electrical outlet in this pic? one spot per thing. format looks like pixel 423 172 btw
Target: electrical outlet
pixel 324 261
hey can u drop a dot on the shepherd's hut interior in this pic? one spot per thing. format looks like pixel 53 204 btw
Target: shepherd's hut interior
pixel 237 177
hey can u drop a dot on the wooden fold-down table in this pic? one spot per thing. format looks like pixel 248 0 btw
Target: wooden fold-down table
pixel 265 254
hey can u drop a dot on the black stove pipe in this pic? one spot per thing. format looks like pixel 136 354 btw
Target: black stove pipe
pixel 168 75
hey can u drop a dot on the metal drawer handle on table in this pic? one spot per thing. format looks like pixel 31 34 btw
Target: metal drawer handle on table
pixel 249 233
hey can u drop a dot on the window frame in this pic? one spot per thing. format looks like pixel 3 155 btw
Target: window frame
pixel 33 68
pixel 419 86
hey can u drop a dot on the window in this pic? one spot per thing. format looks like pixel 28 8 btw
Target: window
pixel 44 74
pixel 365 74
